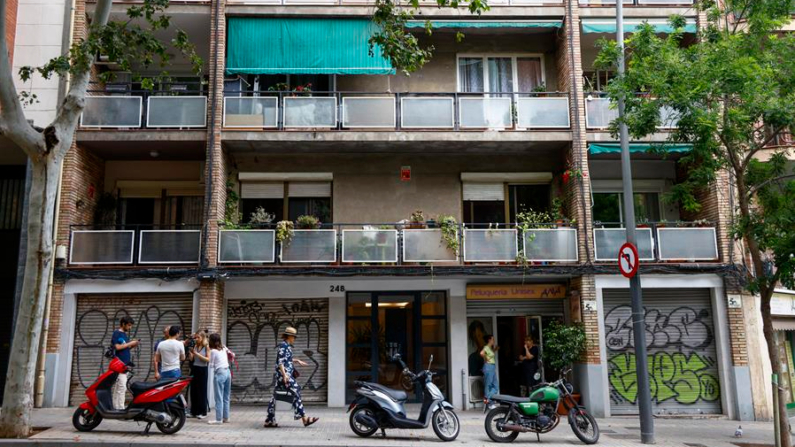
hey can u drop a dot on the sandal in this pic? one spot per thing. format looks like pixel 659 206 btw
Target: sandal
pixel 269 424
pixel 310 421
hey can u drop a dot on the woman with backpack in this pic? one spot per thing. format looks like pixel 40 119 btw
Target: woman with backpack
pixel 222 378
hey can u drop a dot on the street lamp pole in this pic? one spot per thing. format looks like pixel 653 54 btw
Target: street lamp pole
pixel 638 314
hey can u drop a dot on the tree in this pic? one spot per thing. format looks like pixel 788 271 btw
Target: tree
pixel 131 44
pixel 733 91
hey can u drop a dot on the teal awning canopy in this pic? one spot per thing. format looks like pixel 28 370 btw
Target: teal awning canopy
pixel 257 45
pixel 636 148
pixel 590 26
pixel 475 24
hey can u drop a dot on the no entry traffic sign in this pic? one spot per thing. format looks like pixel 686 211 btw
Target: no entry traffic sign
pixel 628 260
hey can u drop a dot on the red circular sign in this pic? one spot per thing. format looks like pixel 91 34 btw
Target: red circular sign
pixel 628 261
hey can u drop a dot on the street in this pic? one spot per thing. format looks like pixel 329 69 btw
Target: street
pixel 246 429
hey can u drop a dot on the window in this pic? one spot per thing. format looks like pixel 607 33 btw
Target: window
pixel 320 83
pixel 499 74
pixel 608 207
pixel 168 210
pixel 485 203
pixel 287 199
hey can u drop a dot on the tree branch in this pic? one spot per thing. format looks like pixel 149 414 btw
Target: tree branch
pixel 73 103
pixel 15 125
pixel 756 188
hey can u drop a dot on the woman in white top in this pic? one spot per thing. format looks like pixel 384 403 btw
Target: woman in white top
pixel 222 378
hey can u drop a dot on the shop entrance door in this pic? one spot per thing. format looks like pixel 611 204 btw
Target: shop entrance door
pixel 511 334
pixel 414 323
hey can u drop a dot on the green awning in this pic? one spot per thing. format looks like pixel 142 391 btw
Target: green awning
pixel 473 24
pixel 590 26
pixel 636 148
pixel 257 45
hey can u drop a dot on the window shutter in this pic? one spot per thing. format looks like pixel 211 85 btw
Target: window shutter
pixel 309 189
pixel 483 192
pixel 250 190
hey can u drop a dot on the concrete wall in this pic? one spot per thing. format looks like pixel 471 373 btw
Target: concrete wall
pixel 440 74
pixel 370 190
pixel 150 170
pixel 39 38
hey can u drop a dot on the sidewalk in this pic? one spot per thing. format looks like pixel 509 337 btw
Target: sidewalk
pixel 245 429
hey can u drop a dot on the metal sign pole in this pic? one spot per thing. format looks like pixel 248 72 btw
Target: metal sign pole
pixel 638 315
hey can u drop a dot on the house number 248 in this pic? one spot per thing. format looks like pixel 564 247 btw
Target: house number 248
pixel 338 288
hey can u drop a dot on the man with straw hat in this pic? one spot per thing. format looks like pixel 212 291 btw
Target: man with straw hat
pixel 284 378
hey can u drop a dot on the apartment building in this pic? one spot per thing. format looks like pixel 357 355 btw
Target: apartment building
pixel 172 200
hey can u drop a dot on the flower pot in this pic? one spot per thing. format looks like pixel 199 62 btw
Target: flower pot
pixel 415 225
pixel 431 223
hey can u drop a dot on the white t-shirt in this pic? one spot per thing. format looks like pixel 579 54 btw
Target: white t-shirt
pixel 219 359
pixel 170 351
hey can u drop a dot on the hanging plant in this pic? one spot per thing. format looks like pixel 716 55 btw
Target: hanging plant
pixel 284 231
pixel 231 207
pixel 449 227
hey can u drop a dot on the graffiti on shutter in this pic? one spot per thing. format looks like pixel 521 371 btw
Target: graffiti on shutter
pixel 681 352
pixel 253 331
pixel 98 316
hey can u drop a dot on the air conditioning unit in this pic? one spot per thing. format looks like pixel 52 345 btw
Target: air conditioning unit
pixel 476 389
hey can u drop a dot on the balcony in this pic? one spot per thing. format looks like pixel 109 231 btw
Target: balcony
pixel 599 113
pixel 661 241
pixel 398 244
pixel 134 245
pixel 429 3
pixel 177 106
pixel 637 2
pixel 352 111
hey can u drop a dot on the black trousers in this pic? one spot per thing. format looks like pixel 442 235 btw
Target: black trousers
pixel 198 391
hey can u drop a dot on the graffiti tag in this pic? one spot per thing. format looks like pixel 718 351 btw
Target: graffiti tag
pixel 683 327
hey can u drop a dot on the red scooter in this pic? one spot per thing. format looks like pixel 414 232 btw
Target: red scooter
pixel 158 403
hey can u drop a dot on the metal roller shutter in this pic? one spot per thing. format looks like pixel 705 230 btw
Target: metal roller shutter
pixel 547 308
pixel 253 332
pixel 683 361
pixel 98 316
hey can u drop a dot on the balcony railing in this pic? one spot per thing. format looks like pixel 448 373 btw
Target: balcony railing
pixel 399 244
pixel 372 2
pixel 268 110
pixel 118 106
pixel 637 2
pixel 662 241
pixel 599 113
pixel 129 245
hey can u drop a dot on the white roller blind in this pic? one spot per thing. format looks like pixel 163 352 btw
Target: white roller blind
pixel 482 192
pixel 253 190
pixel 309 189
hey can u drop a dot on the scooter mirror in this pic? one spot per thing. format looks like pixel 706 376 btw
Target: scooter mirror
pixel 537 376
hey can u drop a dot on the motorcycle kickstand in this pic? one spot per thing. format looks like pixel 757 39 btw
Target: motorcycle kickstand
pixel 146 430
pixel 538 436
pixel 383 433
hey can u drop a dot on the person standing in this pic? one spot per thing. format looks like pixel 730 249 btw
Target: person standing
pixel 169 356
pixel 154 350
pixel 200 357
pixel 222 378
pixel 285 377
pixel 489 354
pixel 121 346
pixel 529 364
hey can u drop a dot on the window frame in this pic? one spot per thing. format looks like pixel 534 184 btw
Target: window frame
pixel 658 191
pixel 286 197
pixel 506 202
pixel 514 68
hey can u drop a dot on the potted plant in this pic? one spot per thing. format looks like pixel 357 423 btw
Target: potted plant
pixel 643 223
pixel 260 217
pixel 284 231
pixel 540 90
pixel 449 227
pixel 563 345
pixel 417 220
pixel 307 223
pixel 701 223
pixel 557 211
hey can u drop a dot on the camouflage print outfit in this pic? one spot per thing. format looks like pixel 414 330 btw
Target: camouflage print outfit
pixel 284 357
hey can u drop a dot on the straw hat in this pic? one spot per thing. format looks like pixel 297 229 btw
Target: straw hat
pixel 290 331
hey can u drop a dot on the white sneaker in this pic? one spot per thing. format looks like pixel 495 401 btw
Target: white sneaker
pixel 214 422
pixel 201 416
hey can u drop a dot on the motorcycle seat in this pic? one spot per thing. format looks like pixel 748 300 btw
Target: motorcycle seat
pixel 507 398
pixel 141 387
pixel 396 395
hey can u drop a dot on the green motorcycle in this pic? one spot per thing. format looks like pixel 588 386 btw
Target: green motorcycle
pixel 538 413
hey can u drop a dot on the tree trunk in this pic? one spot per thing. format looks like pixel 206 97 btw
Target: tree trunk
pixel 18 399
pixel 775 363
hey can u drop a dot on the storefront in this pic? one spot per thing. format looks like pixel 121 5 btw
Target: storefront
pixel 510 312
pixel 782 307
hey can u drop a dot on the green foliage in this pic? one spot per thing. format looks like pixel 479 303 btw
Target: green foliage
pixel 284 231
pixel 449 227
pixel 733 91
pixel 231 206
pixel 563 345
pixel 130 44
pixel 260 216
pixel 529 218
pixel 399 46
pixel 307 222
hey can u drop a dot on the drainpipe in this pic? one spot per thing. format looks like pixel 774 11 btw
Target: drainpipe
pixel 38 396
pixel 463 389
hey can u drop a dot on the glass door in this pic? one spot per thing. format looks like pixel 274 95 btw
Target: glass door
pixel 414 323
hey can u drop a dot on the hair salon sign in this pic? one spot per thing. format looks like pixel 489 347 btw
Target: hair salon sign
pixel 515 291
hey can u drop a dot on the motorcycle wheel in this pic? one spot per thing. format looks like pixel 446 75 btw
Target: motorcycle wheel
pixel 584 426
pixel 499 415
pixel 83 420
pixel 446 424
pixel 362 430
pixel 176 424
